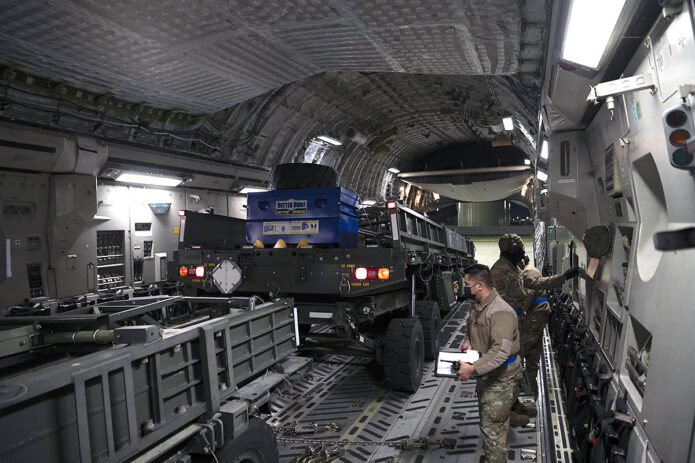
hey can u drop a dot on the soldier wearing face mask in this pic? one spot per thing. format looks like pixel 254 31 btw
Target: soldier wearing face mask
pixel 519 292
pixel 492 330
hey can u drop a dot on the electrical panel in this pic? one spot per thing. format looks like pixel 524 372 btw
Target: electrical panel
pixel 110 259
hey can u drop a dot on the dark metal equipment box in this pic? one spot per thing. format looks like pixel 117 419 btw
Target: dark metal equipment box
pixel 326 216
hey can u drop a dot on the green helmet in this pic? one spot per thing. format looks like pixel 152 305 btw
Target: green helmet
pixel 511 243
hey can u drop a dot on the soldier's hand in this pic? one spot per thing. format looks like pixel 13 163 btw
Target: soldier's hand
pixel 465 346
pixel 466 371
pixel 573 272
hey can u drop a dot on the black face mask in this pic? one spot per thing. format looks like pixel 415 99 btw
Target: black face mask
pixel 467 292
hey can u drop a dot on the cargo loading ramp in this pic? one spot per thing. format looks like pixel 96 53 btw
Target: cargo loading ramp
pixel 342 409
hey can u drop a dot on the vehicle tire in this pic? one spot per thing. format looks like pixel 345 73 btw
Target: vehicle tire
pixel 404 354
pixel 294 176
pixel 255 445
pixel 428 313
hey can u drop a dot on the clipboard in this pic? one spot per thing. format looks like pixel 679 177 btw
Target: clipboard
pixel 444 359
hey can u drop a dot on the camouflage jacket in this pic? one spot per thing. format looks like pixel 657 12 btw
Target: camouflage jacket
pixel 517 290
pixel 493 330
pixel 528 276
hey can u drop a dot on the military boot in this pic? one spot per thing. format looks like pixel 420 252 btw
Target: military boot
pixel 517 420
pixel 524 409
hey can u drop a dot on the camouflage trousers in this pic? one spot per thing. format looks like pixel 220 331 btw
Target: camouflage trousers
pixel 495 400
pixel 531 333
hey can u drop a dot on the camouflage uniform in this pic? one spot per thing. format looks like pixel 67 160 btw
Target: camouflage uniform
pixel 516 290
pixel 532 325
pixel 492 329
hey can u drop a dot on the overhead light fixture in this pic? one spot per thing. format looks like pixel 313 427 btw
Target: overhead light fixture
pixel 527 162
pixel 149 179
pixel 544 150
pixel 508 123
pixel 393 170
pixel 330 140
pixel 368 202
pixel 542 176
pixel 248 189
pixel 590 26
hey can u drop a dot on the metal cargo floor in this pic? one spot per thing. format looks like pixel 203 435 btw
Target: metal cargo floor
pixel 347 392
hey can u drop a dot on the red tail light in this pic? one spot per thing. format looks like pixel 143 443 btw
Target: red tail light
pixel 391 205
pixel 182 213
pixel 360 273
pixel 200 271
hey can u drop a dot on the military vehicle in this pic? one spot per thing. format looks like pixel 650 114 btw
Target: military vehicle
pixel 371 280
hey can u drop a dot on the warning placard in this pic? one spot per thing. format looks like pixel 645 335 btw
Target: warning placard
pixel 293 227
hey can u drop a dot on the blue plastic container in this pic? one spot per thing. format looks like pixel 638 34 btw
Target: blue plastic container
pixel 326 216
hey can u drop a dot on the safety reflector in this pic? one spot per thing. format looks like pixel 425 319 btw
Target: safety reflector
pixel 384 273
pixel 361 273
pixel 200 271
pixel 183 271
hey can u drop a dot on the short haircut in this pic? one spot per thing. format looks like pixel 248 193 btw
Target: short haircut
pixel 479 272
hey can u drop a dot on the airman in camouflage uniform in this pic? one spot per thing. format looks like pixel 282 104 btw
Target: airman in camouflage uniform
pixel 492 330
pixel 532 325
pixel 518 291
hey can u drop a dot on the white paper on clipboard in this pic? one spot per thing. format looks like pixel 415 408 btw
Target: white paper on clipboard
pixel 444 366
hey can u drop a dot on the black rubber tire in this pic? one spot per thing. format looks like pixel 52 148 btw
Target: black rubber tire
pixel 294 176
pixel 428 313
pixel 404 354
pixel 255 445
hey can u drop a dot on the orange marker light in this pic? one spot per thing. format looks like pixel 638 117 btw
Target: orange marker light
pixel 183 271
pixel 678 137
pixel 384 273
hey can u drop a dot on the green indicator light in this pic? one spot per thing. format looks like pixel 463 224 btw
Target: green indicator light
pixel 681 157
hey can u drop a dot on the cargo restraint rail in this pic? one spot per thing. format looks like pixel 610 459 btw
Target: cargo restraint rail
pixel 114 403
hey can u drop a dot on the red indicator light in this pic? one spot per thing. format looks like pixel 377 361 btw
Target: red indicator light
pixel 391 205
pixel 371 274
pixel 361 273
pixel 182 213
pixel 200 271
pixel 183 271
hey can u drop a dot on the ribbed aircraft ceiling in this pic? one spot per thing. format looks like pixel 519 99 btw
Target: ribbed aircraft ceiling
pixel 272 74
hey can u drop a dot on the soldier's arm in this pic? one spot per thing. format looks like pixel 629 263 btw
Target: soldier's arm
pixel 534 280
pixel 502 325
